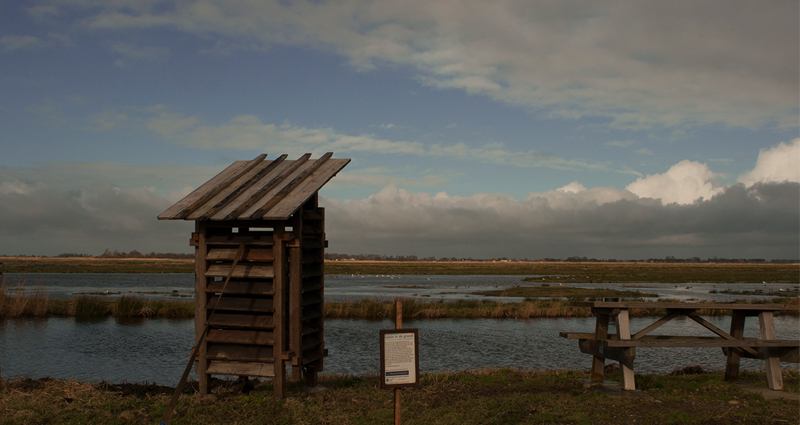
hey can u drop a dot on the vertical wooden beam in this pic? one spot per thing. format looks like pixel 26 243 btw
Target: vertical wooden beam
pixel 278 318
pixel 201 302
pixel 772 362
pixel 296 294
pixel 398 324
pixel 624 332
pixel 318 366
pixel 600 332
pixel 737 331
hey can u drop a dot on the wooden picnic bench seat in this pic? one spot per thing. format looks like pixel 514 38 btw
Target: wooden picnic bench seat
pixel 621 346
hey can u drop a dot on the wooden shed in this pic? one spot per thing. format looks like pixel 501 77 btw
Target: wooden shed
pixel 259 273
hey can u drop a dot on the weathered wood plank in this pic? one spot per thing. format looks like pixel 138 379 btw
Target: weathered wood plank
pixel 306 189
pixel 264 239
pixel 753 309
pixel 733 355
pixel 785 354
pixel 242 288
pixel 242 186
pixel 200 304
pixel 289 190
pixel 208 190
pixel 223 195
pixel 241 271
pixel 681 341
pixel 240 353
pixel 250 321
pixel 250 254
pixel 252 305
pixel 657 324
pixel 772 364
pixel 589 346
pixel 598 361
pixel 227 336
pixel 266 370
pixel 266 184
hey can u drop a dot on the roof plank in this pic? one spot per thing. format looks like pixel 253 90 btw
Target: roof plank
pixel 257 189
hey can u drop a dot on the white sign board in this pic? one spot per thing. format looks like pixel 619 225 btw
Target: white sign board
pixel 399 358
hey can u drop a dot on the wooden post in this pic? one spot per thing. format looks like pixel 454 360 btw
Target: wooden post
pixel 296 295
pixel 624 332
pixel 600 332
pixel 398 324
pixel 737 331
pixel 772 362
pixel 278 315
pixel 201 302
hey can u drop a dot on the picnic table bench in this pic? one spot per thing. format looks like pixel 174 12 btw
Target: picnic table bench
pixel 621 346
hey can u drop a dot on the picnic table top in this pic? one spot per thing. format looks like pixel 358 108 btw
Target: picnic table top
pixel 687 306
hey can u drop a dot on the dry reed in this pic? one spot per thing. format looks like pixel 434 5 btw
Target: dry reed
pixel 24 302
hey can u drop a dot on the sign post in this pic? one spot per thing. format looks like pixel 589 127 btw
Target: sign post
pixel 399 358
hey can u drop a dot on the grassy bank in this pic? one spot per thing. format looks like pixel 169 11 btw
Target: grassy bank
pixel 94 265
pixel 553 272
pixel 132 306
pixel 585 272
pixel 498 396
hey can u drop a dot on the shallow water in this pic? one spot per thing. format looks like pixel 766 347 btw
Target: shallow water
pixel 156 350
pixel 338 288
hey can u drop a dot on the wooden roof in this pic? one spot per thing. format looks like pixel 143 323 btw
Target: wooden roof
pixel 257 189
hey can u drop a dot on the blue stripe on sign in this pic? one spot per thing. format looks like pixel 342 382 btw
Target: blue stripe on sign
pixel 398 373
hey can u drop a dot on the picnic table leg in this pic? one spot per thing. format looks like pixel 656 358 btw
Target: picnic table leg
pixel 598 363
pixel 737 331
pixel 624 332
pixel 772 362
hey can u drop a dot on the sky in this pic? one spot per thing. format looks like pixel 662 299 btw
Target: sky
pixel 519 129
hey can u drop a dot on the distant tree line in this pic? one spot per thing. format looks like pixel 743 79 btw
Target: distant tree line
pixel 574 259
pixel 332 256
pixel 136 254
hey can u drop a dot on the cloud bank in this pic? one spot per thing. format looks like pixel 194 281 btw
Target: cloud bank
pixel 680 213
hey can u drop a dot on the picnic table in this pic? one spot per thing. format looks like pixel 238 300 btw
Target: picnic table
pixel 621 346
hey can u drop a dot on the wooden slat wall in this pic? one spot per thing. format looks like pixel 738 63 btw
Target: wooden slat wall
pixel 244 315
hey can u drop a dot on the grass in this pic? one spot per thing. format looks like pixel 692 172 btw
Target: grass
pixel 132 306
pixel 24 302
pixel 585 272
pixel 492 396
pixel 554 272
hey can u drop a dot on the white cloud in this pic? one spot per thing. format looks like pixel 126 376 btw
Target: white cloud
pixel 684 183
pixel 20 188
pixel 10 43
pixel 248 132
pixel 776 164
pixel 79 207
pixel 627 62
pixel 760 222
pixel 573 187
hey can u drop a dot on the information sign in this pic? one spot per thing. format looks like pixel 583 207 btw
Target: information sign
pixel 399 358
